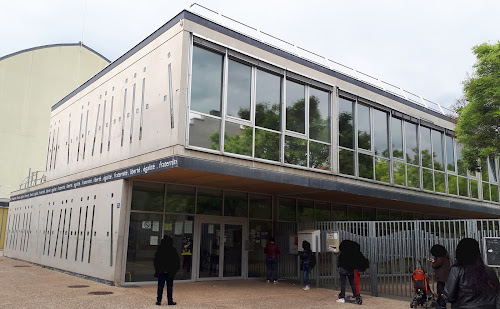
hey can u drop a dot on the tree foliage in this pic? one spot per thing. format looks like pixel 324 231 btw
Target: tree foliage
pixel 478 127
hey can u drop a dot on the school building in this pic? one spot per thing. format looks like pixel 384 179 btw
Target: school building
pixel 220 138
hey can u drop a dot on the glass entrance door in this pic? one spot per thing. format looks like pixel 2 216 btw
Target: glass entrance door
pixel 221 250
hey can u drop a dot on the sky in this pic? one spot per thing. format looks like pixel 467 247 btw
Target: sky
pixel 421 46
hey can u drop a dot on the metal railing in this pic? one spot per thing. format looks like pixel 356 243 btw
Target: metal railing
pixel 395 249
pixel 326 62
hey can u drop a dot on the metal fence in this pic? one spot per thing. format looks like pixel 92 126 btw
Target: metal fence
pixel 395 249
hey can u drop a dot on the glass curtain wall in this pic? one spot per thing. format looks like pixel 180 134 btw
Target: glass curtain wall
pixel 259 118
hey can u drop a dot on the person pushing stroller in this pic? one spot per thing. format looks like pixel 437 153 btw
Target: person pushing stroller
pixel 350 262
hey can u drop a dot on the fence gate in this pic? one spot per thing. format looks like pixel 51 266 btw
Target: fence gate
pixel 394 248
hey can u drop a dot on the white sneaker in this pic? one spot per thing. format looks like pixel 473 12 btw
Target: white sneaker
pixel 275 281
pixel 307 288
pixel 341 300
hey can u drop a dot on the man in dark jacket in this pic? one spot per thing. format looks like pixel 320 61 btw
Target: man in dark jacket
pixel 167 264
pixel 349 262
pixel 272 252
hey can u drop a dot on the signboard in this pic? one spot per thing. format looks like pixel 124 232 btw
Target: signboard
pixel 491 249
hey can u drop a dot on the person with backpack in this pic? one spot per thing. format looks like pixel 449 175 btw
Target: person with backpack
pixel 307 262
pixel 166 263
pixel 350 262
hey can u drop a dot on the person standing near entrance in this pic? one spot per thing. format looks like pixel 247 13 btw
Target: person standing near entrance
pixel 167 264
pixel 272 251
pixel 305 263
pixel 441 267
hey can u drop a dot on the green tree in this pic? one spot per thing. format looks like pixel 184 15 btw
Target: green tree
pixel 478 126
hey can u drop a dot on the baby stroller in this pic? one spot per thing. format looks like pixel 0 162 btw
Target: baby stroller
pixel 424 296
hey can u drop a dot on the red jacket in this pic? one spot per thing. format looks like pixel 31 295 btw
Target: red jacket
pixel 272 250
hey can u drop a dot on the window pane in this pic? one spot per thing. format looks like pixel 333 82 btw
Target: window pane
pixel 411 144
pixel 319 156
pixel 440 185
pixel 322 212
pixel 383 215
pixel 204 131
pixel 295 107
pixel 238 139
pixel 492 170
pixel 486 191
pixel 268 101
pixel 148 196
pixel 346 136
pixel 413 176
pixel 206 83
pixel 305 211
pixel 369 214
pixel 494 193
pixel 399 174
pixel 319 115
pixel 180 199
pixel 364 129
pixel 180 228
pixel 452 185
pixel 354 213
pixel 473 189
pixel 346 162
pixel 256 256
pixel 235 204
pixel 462 169
pixel 427 179
pixel 209 202
pixel 267 145
pixel 365 166
pixel 287 209
pixel 437 150
pixel 425 147
pixel 382 169
pixel 484 170
pixel 295 151
pixel 381 133
pixel 261 206
pixel 397 138
pixel 450 154
pixel 339 212
pixel 462 186
pixel 238 90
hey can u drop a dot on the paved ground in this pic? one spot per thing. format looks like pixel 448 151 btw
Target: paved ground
pixel 24 285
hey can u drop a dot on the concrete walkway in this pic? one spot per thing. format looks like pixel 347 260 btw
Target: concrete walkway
pixel 24 285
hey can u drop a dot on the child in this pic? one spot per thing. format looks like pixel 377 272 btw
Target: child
pixel 305 259
pixel 441 267
pixel 349 262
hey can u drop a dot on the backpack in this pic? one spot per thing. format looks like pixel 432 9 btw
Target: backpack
pixel 312 263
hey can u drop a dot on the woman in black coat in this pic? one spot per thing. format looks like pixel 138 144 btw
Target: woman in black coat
pixel 471 284
pixel 167 264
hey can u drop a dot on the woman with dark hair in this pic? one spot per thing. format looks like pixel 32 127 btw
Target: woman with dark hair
pixel 471 284
pixel 441 268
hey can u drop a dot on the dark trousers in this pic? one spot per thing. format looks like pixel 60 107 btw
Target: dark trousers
pixel 440 289
pixel 162 279
pixel 344 275
pixel 272 268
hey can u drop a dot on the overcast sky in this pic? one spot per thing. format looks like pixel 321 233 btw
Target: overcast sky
pixel 422 46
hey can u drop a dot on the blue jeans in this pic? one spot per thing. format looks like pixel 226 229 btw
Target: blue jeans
pixel 272 268
pixel 344 276
pixel 162 279
pixel 306 277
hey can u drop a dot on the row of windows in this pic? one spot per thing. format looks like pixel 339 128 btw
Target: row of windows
pixel 180 199
pixel 260 112
pixel 417 156
pixel 274 115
